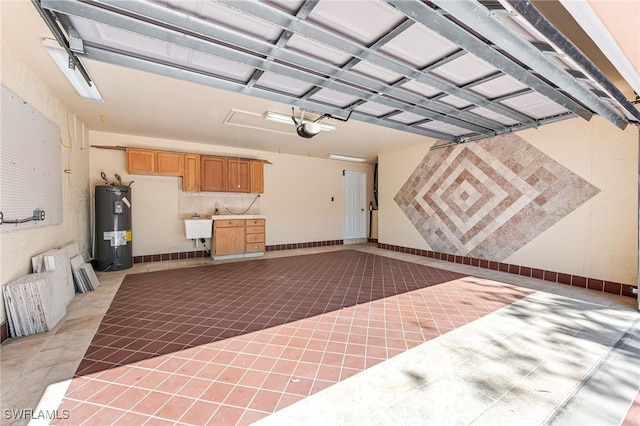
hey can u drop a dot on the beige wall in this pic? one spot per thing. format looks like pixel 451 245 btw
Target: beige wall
pixel 296 199
pixel 17 247
pixel 597 240
pixel 393 170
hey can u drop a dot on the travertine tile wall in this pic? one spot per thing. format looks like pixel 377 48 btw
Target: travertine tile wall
pixel 488 199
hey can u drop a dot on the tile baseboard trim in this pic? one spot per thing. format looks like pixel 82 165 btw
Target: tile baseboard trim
pixel 147 258
pixel 293 246
pixel 551 276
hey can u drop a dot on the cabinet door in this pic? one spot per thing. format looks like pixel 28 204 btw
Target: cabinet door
pixel 257 177
pixel 141 161
pixel 213 174
pixel 191 175
pixel 228 240
pixel 239 175
pixel 169 163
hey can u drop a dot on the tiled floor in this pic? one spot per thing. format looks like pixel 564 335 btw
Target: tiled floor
pixel 236 342
pixel 247 340
pixel 160 313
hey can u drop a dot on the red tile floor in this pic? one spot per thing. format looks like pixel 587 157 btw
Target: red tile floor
pixel 232 343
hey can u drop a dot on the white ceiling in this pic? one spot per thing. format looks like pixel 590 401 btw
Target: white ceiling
pixel 138 102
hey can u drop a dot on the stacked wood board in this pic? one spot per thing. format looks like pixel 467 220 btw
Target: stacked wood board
pixel 37 302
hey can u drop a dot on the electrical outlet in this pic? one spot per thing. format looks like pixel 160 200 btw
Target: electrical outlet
pixel 38 214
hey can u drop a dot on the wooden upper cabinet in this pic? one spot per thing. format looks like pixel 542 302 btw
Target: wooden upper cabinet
pixel 213 174
pixel 151 162
pixel 199 172
pixel 239 175
pixel 257 177
pixel 141 161
pixel 169 163
pixel 191 176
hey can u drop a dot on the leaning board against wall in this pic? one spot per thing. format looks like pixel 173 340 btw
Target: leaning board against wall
pixel 30 173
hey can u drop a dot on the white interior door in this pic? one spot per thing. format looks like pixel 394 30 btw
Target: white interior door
pixel 355 201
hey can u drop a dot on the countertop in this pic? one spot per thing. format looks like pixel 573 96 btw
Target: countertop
pixel 237 216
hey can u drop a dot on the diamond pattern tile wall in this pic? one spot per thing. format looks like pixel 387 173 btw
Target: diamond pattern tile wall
pixel 489 198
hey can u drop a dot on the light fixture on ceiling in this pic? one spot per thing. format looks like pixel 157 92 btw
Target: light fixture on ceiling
pixel 61 58
pixel 346 158
pixel 288 119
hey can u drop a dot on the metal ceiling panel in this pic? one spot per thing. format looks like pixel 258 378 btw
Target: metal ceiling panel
pixel 375 72
pixel 153 48
pixel 418 47
pixel 437 69
pixel 455 101
pixel 316 50
pixel 488 114
pixel 374 109
pixel 283 84
pixel 464 69
pixel 535 105
pixel 221 67
pixel 471 14
pixel 419 88
pixel 220 15
pixel 443 127
pixel 353 19
pixel 529 13
pixel 498 87
pixel 333 97
pixel 118 38
pixel 406 118
pixel 291 6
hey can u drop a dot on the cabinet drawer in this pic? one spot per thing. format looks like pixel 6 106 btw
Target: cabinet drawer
pixel 229 223
pixel 255 238
pixel 255 247
pixel 255 222
pixel 255 229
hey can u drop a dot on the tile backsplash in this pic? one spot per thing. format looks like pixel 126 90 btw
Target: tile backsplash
pixel 205 203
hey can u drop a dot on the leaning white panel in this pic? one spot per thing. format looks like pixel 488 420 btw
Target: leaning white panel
pixel 89 275
pixel 58 261
pixel 76 263
pixel 31 304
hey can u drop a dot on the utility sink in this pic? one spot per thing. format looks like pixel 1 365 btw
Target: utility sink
pixel 198 228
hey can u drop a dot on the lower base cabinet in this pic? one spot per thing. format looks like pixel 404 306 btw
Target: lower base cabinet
pixel 228 237
pixel 238 238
